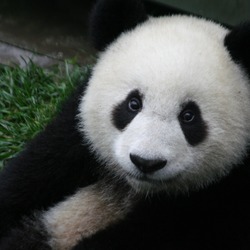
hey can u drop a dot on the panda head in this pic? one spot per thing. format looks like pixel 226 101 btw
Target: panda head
pixel 167 105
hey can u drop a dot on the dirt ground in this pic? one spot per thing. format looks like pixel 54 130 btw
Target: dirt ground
pixel 45 33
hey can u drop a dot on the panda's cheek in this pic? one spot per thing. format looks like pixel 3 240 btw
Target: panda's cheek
pixel 120 152
pixel 178 162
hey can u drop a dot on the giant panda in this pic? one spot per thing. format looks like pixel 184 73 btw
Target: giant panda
pixel 151 152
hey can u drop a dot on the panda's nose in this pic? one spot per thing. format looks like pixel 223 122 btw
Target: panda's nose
pixel 147 166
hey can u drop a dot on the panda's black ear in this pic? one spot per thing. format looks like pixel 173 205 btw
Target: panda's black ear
pixel 110 18
pixel 237 42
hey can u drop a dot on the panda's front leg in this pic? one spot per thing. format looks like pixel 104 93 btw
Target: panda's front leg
pixel 88 211
pixel 82 215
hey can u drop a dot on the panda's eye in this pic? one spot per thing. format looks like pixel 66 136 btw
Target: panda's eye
pixel 192 124
pixel 134 104
pixel 127 110
pixel 187 116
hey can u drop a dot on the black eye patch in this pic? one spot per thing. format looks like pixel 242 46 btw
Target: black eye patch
pixel 192 124
pixel 126 111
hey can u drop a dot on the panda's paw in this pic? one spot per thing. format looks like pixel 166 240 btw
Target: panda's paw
pixel 30 235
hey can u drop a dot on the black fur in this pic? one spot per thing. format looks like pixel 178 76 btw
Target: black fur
pixel 51 167
pixel 238 43
pixel 112 17
pixel 215 218
pixel 195 131
pixel 30 235
pixel 122 115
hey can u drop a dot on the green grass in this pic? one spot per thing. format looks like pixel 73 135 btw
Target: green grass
pixel 28 99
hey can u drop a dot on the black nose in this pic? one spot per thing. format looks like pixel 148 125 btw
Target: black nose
pixel 147 166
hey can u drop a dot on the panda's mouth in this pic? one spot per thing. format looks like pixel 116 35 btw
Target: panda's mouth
pixel 142 178
pixel 146 180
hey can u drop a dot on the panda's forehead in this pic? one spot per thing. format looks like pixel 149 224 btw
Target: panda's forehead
pixel 168 37
pixel 170 60
pixel 165 52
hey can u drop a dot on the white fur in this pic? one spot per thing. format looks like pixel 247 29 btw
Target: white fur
pixel 170 60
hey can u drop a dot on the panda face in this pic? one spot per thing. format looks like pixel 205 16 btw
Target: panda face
pixel 166 108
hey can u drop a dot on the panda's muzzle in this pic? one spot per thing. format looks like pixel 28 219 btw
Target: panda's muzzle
pixel 147 166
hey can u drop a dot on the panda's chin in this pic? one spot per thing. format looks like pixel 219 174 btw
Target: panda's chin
pixel 147 184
